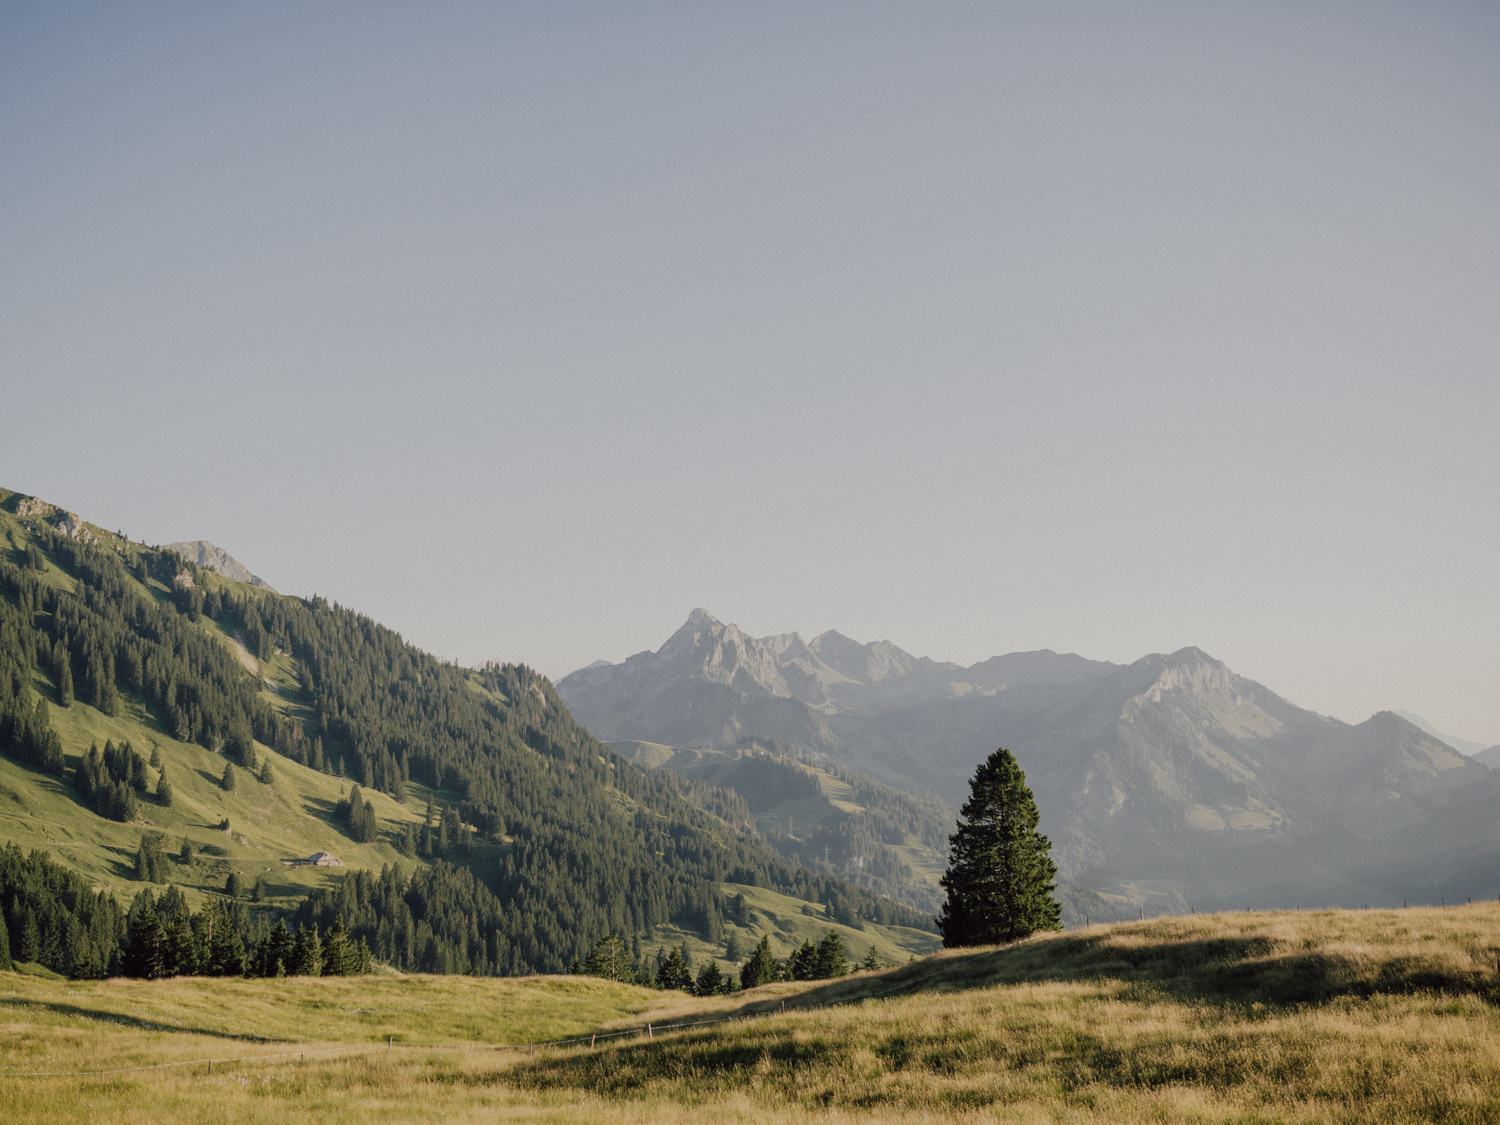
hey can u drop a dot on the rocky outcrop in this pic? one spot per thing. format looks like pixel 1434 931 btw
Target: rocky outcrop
pixel 200 552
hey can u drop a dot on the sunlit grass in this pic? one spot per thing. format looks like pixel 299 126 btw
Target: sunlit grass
pixel 1333 1016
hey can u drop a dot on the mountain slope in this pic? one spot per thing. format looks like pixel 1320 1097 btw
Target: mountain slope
pixel 1164 784
pixel 124 642
pixel 832 818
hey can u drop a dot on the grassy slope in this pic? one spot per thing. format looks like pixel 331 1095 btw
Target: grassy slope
pixel 1321 1016
pixel 291 818
pixel 783 920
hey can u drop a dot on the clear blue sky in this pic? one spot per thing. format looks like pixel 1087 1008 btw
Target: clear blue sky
pixel 526 328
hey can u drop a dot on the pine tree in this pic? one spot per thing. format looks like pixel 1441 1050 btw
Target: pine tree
pixel 734 952
pixel 1000 879
pixel 760 968
pixel 833 958
pixel 871 961
pixel 673 973
pixel 163 790
pixel 63 673
pixel 143 957
pixel 804 962
pixel 307 953
pixel 232 885
pixel 155 757
pixel 180 953
pixel 710 978
pixel 608 959
pixel 185 853
pixel 276 951
pixel 227 783
pixel 336 950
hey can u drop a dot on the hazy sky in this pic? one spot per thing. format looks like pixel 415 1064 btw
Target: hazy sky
pixel 527 328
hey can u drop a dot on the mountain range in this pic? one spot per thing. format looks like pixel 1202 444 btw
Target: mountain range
pixel 1167 784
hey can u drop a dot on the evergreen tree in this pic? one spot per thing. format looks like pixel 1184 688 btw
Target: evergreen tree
pixel 761 968
pixel 710 977
pixel 150 862
pixel 673 973
pixel 609 958
pixel 734 952
pixel 232 885
pixel 163 790
pixel 180 953
pixel 276 953
pixel 185 853
pixel 225 949
pixel 804 962
pixel 143 956
pixel 155 757
pixel 62 674
pixel 833 958
pixel 227 782
pixel 259 890
pixel 871 961
pixel 307 953
pixel 1000 879
pixel 336 952
pixel 266 776
pixel 6 963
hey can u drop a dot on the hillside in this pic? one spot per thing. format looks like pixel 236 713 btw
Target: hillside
pixel 108 642
pixel 1311 1016
pixel 828 816
pixel 1165 785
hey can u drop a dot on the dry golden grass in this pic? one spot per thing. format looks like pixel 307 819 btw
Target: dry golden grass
pixel 1333 1016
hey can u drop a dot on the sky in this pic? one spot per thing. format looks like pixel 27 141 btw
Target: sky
pixel 528 328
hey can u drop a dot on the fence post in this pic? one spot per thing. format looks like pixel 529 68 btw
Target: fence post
pixel 649 1033
pixel 591 1040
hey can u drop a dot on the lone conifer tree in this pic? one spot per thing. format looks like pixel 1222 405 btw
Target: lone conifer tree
pixel 1000 877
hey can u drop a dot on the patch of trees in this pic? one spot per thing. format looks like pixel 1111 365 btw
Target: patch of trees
pixel 108 780
pixel 358 816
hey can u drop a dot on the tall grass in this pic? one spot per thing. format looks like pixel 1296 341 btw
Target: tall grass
pixel 1330 1016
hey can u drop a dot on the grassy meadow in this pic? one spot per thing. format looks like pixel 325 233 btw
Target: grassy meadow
pixel 1316 1016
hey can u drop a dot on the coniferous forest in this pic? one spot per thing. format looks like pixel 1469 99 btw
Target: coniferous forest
pixel 592 845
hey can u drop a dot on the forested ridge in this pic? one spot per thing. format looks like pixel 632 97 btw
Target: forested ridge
pixel 587 843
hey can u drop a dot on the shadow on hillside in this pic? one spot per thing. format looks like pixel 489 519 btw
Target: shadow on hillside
pixel 1220 970
pixel 17 1004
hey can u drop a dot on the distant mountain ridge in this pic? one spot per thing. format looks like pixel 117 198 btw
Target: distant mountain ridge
pixel 1166 783
pixel 200 552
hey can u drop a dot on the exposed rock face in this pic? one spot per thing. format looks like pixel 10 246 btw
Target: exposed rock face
pixel 200 552
pixel 1164 783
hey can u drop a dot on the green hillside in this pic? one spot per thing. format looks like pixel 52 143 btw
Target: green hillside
pixel 105 642
pixel 827 815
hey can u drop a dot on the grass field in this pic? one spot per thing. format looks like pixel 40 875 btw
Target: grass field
pixel 1326 1016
